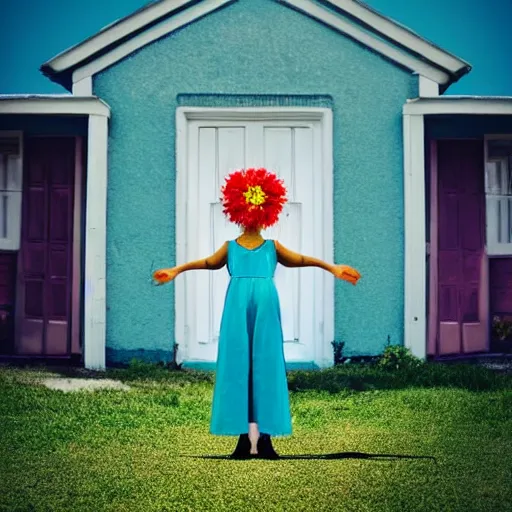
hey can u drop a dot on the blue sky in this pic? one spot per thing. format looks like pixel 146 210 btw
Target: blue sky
pixel 478 31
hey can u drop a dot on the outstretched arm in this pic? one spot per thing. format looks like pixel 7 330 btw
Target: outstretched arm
pixel 293 259
pixel 213 262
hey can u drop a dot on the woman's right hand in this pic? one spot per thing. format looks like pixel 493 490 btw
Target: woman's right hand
pixel 165 275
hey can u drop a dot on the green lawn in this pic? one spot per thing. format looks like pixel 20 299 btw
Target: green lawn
pixel 446 433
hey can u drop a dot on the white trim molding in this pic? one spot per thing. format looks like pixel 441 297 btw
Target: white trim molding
pixel 323 356
pixel 349 17
pixel 428 88
pixel 401 35
pixel 114 32
pixel 134 43
pixel 94 330
pixel 470 105
pixel 390 51
pixel 64 104
pixel 82 87
pixel 415 271
pixel 14 191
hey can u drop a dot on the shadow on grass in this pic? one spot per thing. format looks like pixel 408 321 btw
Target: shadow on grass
pixel 324 456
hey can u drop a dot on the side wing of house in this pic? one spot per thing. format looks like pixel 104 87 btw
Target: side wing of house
pixel 469 204
pixel 44 172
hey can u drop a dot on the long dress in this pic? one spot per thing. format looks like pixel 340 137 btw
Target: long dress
pixel 250 380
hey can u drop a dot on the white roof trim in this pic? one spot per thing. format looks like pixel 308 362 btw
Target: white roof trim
pixel 394 41
pixel 114 32
pixel 53 105
pixel 476 105
pixel 387 49
pixel 401 34
pixel 146 37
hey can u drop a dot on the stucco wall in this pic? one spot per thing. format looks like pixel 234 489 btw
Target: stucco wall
pixel 254 47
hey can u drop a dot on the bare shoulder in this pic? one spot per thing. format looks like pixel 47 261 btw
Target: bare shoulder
pixel 278 246
pixel 221 253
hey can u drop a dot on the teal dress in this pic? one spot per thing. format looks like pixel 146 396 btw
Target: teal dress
pixel 250 379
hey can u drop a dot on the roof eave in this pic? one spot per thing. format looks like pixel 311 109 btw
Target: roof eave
pixel 53 104
pixel 60 68
pixel 63 78
pixel 455 77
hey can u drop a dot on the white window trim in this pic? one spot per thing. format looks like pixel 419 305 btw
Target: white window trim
pixel 415 271
pixel 498 249
pixel 324 355
pixel 13 244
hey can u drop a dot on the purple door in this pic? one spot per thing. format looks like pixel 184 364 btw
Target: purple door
pixel 462 263
pixel 45 259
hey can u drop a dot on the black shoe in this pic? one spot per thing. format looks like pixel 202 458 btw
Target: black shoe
pixel 243 448
pixel 265 448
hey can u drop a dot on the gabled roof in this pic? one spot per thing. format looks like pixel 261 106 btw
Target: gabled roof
pixel 349 17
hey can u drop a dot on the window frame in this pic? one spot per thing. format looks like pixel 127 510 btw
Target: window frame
pixel 13 239
pixel 494 248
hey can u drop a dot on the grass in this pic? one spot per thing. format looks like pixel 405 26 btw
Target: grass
pixel 447 431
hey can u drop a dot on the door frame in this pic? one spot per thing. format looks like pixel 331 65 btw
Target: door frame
pixel 323 350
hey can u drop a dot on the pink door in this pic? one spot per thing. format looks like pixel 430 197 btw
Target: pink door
pixel 463 303
pixel 43 306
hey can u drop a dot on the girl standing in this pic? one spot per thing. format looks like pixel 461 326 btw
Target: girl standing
pixel 251 392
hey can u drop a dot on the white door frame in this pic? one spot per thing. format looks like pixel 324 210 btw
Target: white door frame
pixel 415 271
pixel 323 349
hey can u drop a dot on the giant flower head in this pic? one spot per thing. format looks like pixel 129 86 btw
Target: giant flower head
pixel 253 198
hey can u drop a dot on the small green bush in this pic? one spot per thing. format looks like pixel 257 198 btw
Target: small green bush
pixel 398 357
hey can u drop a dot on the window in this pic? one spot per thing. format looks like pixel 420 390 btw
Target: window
pixel 498 192
pixel 10 190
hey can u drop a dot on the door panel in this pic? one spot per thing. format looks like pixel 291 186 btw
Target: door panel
pixel 44 273
pixel 215 150
pixel 462 262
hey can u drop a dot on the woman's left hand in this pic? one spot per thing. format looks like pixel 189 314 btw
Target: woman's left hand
pixel 346 273
pixel 165 275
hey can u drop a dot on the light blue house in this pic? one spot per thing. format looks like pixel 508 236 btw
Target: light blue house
pixel 168 101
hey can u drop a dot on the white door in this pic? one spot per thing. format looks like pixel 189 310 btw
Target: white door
pixel 293 150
